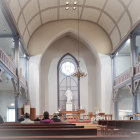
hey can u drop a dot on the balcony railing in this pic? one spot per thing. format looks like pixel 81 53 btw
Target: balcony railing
pixel 137 69
pixel 122 78
pixel 5 60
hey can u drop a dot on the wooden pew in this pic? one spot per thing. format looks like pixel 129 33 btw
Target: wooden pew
pixel 120 126
pixel 47 132
pixel 56 131
pixel 90 137
pixel 38 127
pixel 36 123
pixel 132 124
pixel 53 133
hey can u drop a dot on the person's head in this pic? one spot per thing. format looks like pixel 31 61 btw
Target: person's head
pixel 26 115
pixel 21 116
pixel 54 115
pixel 46 115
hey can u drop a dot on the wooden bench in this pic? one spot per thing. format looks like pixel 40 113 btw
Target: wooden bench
pixel 90 137
pixel 120 126
pixel 47 132
pixel 35 124
pixel 38 127
pixel 132 124
pixel 55 131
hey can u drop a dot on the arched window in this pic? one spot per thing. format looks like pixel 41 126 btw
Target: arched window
pixel 67 65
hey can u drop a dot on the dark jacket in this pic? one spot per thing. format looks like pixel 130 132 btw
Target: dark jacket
pixel 55 119
pixel 1 120
pixel 21 119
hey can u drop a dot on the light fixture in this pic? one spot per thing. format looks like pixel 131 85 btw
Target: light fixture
pixel 67 3
pixel 78 72
pixel 24 55
pixel 67 8
pixel 74 8
pixel 12 104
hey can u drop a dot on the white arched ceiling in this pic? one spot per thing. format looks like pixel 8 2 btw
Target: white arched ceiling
pixel 116 17
pixel 90 32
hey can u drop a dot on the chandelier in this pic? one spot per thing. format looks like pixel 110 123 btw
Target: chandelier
pixel 78 72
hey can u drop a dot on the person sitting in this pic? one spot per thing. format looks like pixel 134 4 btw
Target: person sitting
pixel 55 118
pixel 37 119
pixel 1 120
pixel 21 118
pixel 27 118
pixel 46 118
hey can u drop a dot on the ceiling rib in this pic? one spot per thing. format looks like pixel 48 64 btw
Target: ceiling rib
pixel 102 11
pixel 24 20
pixel 80 6
pixel 39 11
pixel 82 9
pixel 22 10
pixel 126 9
pixel 58 9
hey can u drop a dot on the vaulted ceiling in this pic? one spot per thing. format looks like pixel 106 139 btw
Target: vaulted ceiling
pixel 116 17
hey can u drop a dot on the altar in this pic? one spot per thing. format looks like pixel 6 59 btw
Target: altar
pixel 71 115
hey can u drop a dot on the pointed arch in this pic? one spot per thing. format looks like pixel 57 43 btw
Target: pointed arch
pixel 75 81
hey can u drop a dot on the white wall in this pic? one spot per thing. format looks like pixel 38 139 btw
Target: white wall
pixel 106 84
pixel 125 102
pixel 95 89
pixel 6 98
pixel 49 74
pixel 34 81
pixel 122 63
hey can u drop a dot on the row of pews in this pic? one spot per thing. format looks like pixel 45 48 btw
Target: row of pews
pixel 120 127
pixel 133 125
pixel 17 131
pixel 56 131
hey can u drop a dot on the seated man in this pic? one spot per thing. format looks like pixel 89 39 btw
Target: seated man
pixel 55 118
pixel 27 119
pixel 21 118
pixel 37 119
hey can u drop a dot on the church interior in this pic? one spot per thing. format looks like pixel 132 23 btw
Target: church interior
pixel 77 59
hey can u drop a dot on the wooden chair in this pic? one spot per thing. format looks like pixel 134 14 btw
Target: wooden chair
pixel 102 116
pixel 88 117
pixel 108 116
